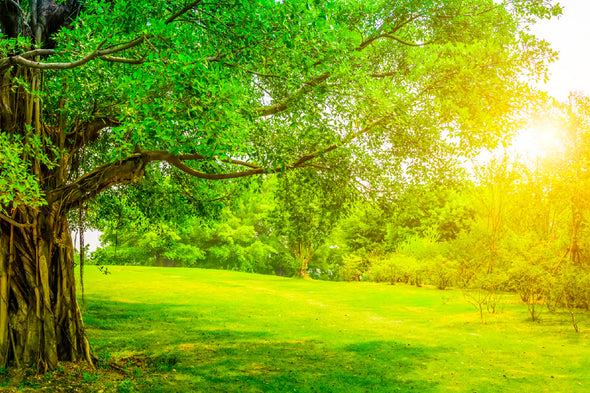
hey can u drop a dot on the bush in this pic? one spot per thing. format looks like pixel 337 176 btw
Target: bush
pixel 442 272
pixel 531 282
pixel 353 267
pixel 396 268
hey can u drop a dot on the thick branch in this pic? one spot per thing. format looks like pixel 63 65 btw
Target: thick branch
pixel 88 131
pixel 126 171
pixel 178 162
pixel 131 169
pixel 98 53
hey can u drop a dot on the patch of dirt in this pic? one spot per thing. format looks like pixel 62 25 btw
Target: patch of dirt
pixel 107 377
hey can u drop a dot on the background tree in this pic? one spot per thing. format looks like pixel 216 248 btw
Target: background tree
pixel 309 205
pixel 221 91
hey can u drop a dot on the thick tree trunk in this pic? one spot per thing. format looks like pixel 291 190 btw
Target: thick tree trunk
pixel 40 321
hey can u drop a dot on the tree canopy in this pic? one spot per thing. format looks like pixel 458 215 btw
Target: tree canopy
pixel 225 91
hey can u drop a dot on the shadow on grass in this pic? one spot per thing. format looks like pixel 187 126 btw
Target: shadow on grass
pixel 193 352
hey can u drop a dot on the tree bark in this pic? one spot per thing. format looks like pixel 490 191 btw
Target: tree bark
pixel 40 320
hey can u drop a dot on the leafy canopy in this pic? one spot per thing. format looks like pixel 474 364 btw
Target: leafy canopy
pixel 233 89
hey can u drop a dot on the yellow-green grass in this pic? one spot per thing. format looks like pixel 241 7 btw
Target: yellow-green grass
pixel 209 330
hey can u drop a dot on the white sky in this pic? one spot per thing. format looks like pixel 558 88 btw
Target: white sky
pixel 570 36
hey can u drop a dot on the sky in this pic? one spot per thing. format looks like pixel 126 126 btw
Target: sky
pixel 570 36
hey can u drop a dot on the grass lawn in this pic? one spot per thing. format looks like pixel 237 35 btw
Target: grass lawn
pixel 193 330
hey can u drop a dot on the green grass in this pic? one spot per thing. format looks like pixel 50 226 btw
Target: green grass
pixel 208 330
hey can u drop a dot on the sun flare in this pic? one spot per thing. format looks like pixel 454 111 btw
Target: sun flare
pixel 537 142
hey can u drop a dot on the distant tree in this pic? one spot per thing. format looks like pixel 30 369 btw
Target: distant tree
pixel 308 207
pixel 94 92
pixel 421 208
pixel 364 229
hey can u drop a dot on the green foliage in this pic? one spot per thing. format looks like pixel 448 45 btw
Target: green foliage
pixel 395 268
pixel 282 84
pixel 17 185
pixel 353 267
pixel 307 210
pixel 441 272
pixel 363 229
pixel 423 208
pixel 531 283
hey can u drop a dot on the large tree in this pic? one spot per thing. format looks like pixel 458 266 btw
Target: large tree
pixel 92 92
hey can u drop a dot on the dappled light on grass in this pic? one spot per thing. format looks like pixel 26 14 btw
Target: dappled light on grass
pixel 193 330
pixel 204 330
pixel 188 352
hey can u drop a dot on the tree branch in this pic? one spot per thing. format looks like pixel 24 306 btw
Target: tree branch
pixel 131 170
pixel 182 11
pixel 88 131
pixel 309 85
pixel 114 59
pixel 178 162
pixel 13 222
pixel 283 105
pixel 21 60
pixel 126 171
pixel 405 42
pixel 38 52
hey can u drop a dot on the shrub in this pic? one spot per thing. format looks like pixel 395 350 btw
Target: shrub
pixel 441 272
pixel 531 282
pixel 396 268
pixel 353 267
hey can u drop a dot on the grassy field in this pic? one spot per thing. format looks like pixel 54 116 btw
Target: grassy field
pixel 192 330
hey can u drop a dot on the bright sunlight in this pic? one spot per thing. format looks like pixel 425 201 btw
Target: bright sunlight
pixel 537 142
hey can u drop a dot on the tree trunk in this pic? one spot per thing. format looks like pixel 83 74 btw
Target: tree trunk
pixel 303 269
pixel 40 321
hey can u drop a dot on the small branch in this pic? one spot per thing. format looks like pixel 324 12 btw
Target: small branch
pixel 367 42
pixel 405 42
pixel 38 52
pixel 334 146
pixel 114 59
pixel 219 57
pixel 283 105
pixel 384 74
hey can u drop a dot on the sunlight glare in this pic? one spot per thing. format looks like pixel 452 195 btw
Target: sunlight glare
pixel 536 142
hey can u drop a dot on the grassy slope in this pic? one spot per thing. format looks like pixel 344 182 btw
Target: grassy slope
pixel 212 330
